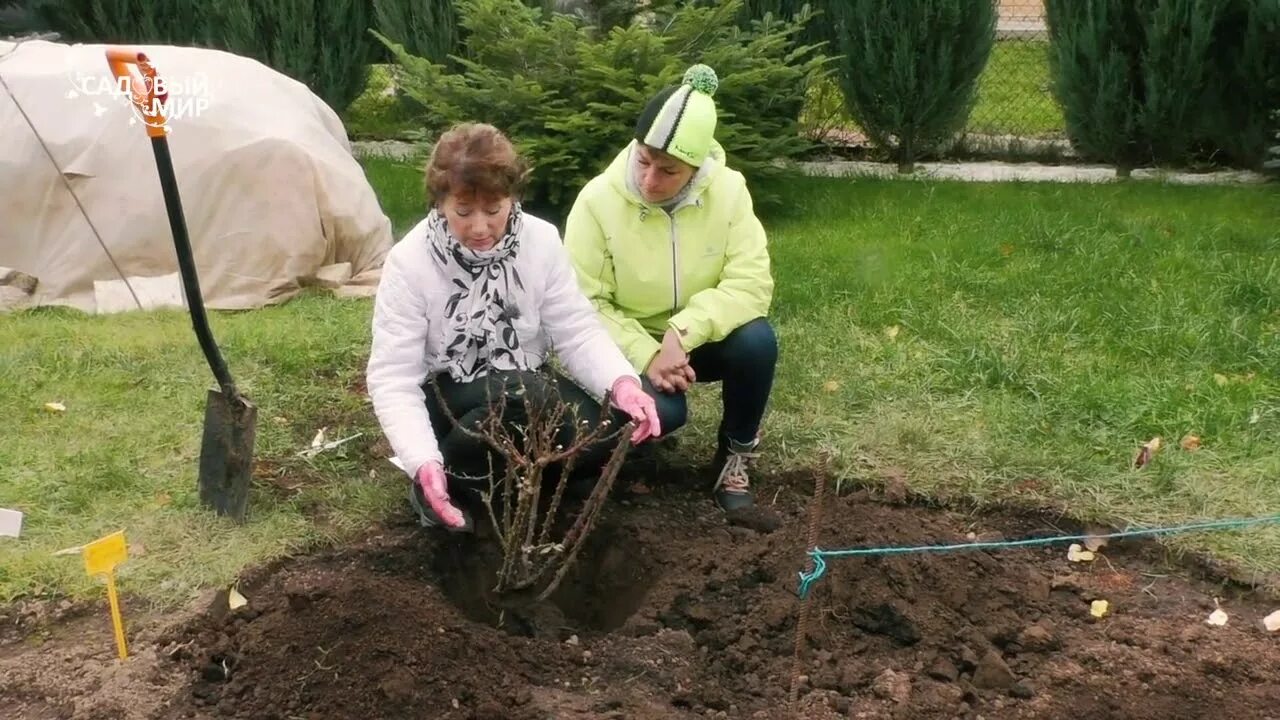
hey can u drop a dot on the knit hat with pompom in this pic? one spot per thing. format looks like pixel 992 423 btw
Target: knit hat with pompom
pixel 681 120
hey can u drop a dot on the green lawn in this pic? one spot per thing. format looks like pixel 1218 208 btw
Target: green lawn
pixel 1043 333
pixel 1013 93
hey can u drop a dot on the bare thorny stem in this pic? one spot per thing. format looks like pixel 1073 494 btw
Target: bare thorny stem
pixel 527 449
pixel 590 511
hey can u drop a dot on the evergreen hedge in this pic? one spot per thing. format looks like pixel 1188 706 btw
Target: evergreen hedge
pixel 324 44
pixel 1240 122
pixel 1166 81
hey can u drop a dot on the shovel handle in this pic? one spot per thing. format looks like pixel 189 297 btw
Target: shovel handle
pixel 187 267
pixel 144 85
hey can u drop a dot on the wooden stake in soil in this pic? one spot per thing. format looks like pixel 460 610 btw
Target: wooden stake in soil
pixel 802 624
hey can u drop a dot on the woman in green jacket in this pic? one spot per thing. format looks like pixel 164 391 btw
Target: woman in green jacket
pixel 667 246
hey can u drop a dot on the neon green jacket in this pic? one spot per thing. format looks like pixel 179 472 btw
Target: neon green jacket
pixel 703 269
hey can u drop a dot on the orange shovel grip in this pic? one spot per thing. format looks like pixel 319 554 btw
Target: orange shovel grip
pixel 133 64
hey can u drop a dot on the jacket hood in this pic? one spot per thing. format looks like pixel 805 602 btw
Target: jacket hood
pixel 623 181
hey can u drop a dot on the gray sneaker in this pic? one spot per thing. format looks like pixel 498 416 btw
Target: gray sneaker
pixel 733 486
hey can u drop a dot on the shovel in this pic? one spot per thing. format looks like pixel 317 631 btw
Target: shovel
pixel 230 419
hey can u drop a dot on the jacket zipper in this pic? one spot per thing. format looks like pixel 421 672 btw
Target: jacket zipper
pixel 675 267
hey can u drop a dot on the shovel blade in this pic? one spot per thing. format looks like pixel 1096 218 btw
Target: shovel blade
pixel 226 455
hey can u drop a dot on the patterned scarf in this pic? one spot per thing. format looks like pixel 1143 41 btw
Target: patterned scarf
pixel 482 308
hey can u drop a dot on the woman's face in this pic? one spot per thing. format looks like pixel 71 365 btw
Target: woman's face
pixel 478 223
pixel 659 176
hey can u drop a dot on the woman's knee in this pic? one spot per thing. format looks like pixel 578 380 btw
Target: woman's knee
pixel 673 408
pixel 755 343
pixel 673 411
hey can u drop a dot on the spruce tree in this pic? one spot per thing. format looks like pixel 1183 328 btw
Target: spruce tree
pixel 1144 81
pixel 1095 63
pixel 426 28
pixel 909 68
pixel 324 44
pixel 1176 75
pixel 20 17
pixel 1240 114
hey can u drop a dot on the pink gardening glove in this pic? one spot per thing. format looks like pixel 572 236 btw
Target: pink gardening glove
pixel 436 491
pixel 631 399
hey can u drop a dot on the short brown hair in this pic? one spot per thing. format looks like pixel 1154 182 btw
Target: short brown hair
pixel 474 159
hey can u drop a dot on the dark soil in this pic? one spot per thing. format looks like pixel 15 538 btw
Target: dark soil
pixel 677 612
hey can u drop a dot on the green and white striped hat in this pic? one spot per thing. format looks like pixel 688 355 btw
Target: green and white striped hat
pixel 681 120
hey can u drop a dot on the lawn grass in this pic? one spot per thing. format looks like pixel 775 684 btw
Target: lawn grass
pixel 1014 96
pixel 123 454
pixel 1043 333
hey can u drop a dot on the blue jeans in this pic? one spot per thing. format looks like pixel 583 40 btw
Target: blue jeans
pixel 744 362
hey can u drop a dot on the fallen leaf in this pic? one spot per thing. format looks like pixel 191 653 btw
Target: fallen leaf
pixel 892 332
pixel 1190 443
pixel 235 600
pixel 831 386
pixel 1099 608
pixel 1254 417
pixel 1075 553
pixel 1272 622
pixel 279 420
pixel 137 549
pixel 1217 617
pixel 163 499
pixel 318 440
pixel 1220 379
pixel 1148 451
pixel 56 407
pixel 1006 249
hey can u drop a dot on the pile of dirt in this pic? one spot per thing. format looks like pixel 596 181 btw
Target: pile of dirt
pixel 675 611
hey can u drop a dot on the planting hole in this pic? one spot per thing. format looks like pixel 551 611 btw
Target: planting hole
pixel 605 586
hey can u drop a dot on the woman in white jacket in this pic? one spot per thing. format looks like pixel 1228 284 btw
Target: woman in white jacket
pixel 473 298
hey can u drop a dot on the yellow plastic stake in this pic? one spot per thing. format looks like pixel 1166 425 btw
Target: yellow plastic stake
pixel 101 558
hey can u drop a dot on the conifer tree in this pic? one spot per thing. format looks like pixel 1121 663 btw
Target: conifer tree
pixel 909 68
pixel 426 28
pixel 1095 63
pixel 1144 81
